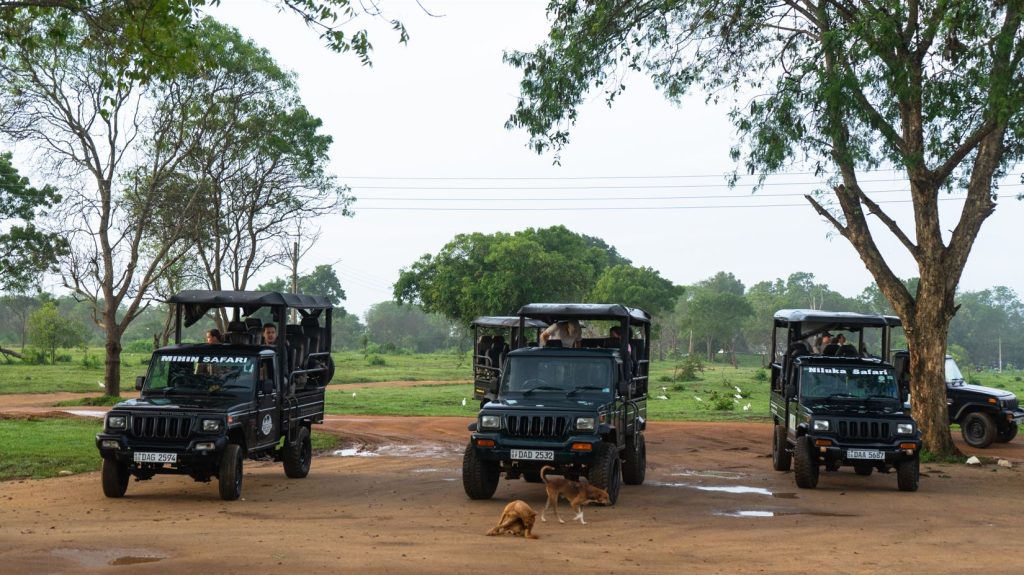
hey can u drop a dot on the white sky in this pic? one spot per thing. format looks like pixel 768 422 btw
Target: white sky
pixel 436 108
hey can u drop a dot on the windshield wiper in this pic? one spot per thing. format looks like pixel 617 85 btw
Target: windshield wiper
pixel 573 391
pixel 532 389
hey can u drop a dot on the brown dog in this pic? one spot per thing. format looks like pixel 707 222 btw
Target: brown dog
pixel 576 493
pixel 518 519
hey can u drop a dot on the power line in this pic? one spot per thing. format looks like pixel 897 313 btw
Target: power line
pixel 567 178
pixel 604 208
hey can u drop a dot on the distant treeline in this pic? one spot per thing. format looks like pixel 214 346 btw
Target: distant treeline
pixel 717 315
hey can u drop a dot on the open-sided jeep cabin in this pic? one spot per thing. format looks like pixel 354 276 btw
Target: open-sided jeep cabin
pixel 839 405
pixel 205 407
pixel 581 409
pixel 495 337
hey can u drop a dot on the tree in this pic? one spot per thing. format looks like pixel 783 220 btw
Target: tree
pixel 322 281
pixel 408 327
pixel 260 163
pixel 933 89
pixel 154 40
pixel 49 330
pixel 636 287
pixel 25 251
pixel 122 160
pixel 715 312
pixel 479 274
pixel 16 308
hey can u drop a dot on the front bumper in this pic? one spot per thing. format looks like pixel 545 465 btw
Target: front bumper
pixel 1014 415
pixel 892 452
pixel 189 456
pixel 564 455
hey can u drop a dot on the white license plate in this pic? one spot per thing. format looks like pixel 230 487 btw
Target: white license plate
pixel 144 457
pixel 533 454
pixel 865 454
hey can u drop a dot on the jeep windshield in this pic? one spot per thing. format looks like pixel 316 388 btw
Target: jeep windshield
pixel 201 374
pixel 562 375
pixel 953 374
pixel 844 384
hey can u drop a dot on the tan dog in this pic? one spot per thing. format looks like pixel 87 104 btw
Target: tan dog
pixel 576 493
pixel 518 519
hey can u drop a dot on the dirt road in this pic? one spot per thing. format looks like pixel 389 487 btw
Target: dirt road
pixel 711 504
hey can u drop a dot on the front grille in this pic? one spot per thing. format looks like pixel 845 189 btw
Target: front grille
pixel 161 426
pixel 1011 403
pixel 876 430
pixel 536 425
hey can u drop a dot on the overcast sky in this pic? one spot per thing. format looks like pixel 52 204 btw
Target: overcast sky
pixel 426 124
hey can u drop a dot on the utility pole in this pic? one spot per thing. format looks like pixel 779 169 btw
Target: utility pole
pixel 295 277
pixel 1000 354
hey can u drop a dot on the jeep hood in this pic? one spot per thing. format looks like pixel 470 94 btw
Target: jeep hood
pixel 181 403
pixel 968 388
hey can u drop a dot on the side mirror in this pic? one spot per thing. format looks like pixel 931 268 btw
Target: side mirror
pixel 140 380
pixel 267 386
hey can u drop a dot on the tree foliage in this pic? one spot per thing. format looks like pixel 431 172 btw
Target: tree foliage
pixel 641 287
pixel 49 330
pixel 495 274
pixel 322 281
pixel 935 89
pixel 149 41
pixel 408 327
pixel 25 250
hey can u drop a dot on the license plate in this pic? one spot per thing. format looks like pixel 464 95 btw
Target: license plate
pixel 533 454
pixel 865 454
pixel 143 457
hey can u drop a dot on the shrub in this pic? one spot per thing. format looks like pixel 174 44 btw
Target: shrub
pixel 761 375
pixel 34 356
pixel 679 387
pixel 90 361
pixel 376 361
pixel 138 346
pixel 62 358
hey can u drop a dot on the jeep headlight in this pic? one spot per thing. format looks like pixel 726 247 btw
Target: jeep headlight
pixel 490 421
pixel 821 425
pixel 585 423
pixel 211 425
pixel 117 421
pixel 904 429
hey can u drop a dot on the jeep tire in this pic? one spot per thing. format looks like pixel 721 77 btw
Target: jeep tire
pixel 805 464
pixel 908 473
pixel 479 477
pixel 634 462
pixel 606 471
pixel 229 475
pixel 115 478
pixel 298 455
pixel 978 429
pixel 1006 434
pixel 782 459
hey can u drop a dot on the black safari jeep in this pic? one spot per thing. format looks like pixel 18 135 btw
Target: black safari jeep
pixel 495 337
pixel 204 408
pixel 985 414
pixel 839 405
pixel 581 410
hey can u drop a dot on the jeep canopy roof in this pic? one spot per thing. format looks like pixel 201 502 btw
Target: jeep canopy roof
pixel 550 312
pixel 784 317
pixel 505 321
pixel 197 302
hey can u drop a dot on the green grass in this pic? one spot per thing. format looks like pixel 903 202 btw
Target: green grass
pixel 354 367
pixel 38 448
pixel 681 405
pixel 70 376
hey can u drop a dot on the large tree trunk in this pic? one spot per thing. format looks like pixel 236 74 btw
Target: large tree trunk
pixel 112 373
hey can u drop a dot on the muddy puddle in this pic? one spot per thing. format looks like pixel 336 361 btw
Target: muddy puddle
pixel 100 557
pixel 734 489
pixel 760 513
pixel 423 450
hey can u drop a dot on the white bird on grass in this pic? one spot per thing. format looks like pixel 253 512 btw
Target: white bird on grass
pixel 353 394
pixel 738 396
pixel 738 390
pixel 746 407
pixel 661 397
pixel 697 398
pixel 463 402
